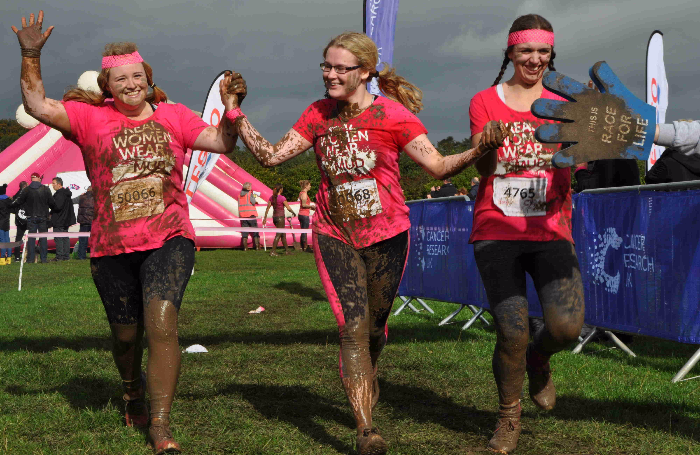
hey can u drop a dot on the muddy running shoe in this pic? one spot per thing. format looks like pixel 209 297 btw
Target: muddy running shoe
pixel 369 442
pixel 136 410
pixel 505 437
pixel 160 438
pixel 541 387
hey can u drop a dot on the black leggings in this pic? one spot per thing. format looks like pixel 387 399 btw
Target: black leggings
pixel 555 272
pixel 361 286
pixel 143 291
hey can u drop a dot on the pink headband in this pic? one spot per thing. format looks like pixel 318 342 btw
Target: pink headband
pixel 531 36
pixel 121 60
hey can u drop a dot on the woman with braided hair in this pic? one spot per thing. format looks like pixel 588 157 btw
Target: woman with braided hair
pixel 142 241
pixel 360 229
pixel 522 224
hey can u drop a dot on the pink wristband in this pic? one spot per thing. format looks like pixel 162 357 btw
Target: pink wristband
pixel 581 168
pixel 233 114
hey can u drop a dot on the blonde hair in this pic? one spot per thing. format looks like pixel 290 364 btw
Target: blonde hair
pixel 391 84
pixel 89 97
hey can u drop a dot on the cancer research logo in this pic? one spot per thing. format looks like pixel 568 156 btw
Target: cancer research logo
pixel 607 239
pixel 74 187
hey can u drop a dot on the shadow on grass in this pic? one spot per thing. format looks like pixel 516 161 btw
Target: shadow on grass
pixel 294 287
pixel 659 415
pixel 81 392
pixel 297 406
pixel 48 344
pixel 659 354
pixel 397 335
pixel 426 406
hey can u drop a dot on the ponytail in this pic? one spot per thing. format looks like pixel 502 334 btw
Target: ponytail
pixel 399 89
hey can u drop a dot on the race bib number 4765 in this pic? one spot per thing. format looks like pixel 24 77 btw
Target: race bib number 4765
pixel 137 198
pixel 359 199
pixel 518 196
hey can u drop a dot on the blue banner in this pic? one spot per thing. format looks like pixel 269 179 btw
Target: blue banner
pixel 380 25
pixel 638 252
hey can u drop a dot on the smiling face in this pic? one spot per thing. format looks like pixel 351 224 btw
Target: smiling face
pixel 128 85
pixel 530 60
pixel 344 86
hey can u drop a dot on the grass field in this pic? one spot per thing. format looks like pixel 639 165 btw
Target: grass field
pixel 269 384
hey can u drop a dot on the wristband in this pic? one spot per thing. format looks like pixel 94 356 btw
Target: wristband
pixel 581 168
pixel 31 53
pixel 233 114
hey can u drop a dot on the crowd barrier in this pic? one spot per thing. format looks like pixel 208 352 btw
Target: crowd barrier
pixel 638 250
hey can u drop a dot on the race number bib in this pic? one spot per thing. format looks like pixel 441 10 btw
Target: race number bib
pixel 137 198
pixel 517 196
pixel 354 200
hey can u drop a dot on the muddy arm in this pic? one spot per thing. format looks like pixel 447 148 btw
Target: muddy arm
pixel 441 167
pixel 31 40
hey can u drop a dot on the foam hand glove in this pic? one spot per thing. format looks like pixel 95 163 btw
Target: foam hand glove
pixel 608 124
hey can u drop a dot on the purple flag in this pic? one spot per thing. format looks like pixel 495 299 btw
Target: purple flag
pixel 380 25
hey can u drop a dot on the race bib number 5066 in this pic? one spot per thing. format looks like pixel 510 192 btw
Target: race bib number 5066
pixel 518 196
pixel 137 198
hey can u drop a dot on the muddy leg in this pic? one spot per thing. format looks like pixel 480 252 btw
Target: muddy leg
pixel 347 284
pixel 555 272
pixel 385 265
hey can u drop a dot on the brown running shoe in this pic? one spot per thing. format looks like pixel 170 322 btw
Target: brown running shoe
pixel 505 437
pixel 160 438
pixel 369 442
pixel 541 387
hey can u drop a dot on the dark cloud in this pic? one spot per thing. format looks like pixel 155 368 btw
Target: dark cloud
pixel 451 49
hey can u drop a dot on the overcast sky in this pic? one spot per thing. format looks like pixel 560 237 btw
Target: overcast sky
pixel 451 49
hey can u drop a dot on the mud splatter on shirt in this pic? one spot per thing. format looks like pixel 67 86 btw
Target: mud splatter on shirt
pixel 359 200
pixel 135 168
pixel 546 211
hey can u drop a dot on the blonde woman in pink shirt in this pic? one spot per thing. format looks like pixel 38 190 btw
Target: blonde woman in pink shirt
pixel 360 228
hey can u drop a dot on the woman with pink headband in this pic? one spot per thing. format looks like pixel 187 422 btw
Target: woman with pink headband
pixel 522 224
pixel 142 241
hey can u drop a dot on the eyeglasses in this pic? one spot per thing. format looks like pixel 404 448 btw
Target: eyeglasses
pixel 338 69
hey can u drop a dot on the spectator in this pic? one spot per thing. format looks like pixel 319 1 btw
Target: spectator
pixel 36 200
pixel 278 204
pixel 86 209
pixel 447 189
pixel 20 221
pixel 62 217
pixel 434 191
pixel 462 192
pixel 606 174
pixel 674 166
pixel 246 209
pixel 5 253
pixel 304 211
pixel 474 189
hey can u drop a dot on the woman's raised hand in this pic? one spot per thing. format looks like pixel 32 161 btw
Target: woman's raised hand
pixel 233 90
pixel 31 40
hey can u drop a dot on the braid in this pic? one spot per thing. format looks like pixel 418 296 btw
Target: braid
pixel 551 61
pixel 506 60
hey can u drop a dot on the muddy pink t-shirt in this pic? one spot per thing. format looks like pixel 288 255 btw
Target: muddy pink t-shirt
pixel 526 198
pixel 135 168
pixel 360 201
